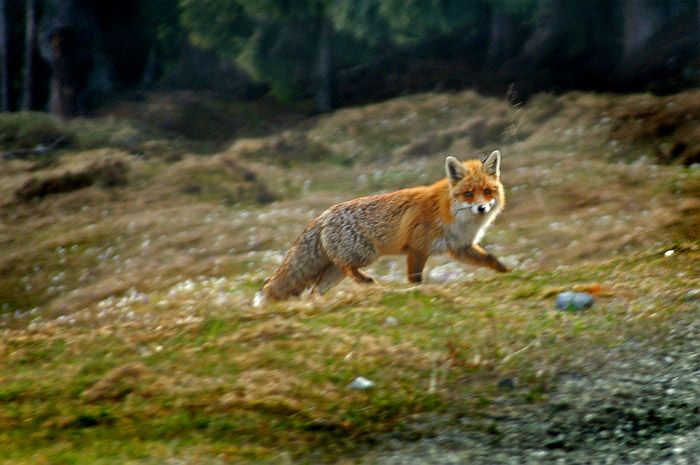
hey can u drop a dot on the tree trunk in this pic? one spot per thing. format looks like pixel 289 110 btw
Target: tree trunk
pixel 4 61
pixel 642 19
pixel 549 36
pixel 501 36
pixel 29 48
pixel 64 87
pixel 148 78
pixel 326 89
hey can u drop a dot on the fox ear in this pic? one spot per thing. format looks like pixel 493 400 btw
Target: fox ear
pixel 492 164
pixel 454 169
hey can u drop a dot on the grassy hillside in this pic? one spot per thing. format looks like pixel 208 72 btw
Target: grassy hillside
pixel 128 259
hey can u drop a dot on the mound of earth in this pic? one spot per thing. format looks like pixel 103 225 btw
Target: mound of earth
pixel 668 124
pixel 107 173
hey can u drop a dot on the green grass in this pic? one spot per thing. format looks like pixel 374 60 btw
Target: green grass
pixel 27 130
pixel 251 385
pixel 137 342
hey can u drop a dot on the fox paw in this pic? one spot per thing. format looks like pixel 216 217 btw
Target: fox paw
pixel 501 268
pixel 259 300
pixel 364 278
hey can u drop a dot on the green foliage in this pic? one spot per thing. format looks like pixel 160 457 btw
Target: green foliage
pixel 278 42
pixel 219 24
pixel 161 20
pixel 362 18
pixel 273 41
pixel 279 53
pixel 417 20
pixel 521 8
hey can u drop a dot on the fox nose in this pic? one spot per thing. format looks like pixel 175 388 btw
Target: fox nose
pixel 481 209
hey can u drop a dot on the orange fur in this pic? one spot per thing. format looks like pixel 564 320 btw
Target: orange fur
pixel 448 216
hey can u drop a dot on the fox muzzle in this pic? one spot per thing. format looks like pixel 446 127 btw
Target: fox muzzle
pixel 482 208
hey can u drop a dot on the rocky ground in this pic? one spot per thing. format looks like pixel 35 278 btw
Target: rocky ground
pixel 640 403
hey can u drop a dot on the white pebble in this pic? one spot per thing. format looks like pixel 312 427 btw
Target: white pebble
pixel 361 384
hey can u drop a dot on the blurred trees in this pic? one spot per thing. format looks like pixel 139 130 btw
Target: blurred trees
pixel 296 46
pixel 4 60
pixel 339 51
pixel 300 46
pixel 29 51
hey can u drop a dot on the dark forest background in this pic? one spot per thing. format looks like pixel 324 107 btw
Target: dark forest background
pixel 70 56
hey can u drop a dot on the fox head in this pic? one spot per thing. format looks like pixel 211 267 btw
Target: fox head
pixel 475 187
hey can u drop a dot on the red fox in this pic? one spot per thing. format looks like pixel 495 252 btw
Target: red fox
pixel 449 216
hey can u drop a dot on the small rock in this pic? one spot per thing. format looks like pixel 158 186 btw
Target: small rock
pixel 322 425
pixel 668 253
pixel 559 442
pixel 391 321
pixel 507 383
pixel 689 204
pixel 692 294
pixel 574 301
pixel 361 384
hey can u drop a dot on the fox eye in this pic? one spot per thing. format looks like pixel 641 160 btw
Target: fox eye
pixel 487 191
pixel 468 194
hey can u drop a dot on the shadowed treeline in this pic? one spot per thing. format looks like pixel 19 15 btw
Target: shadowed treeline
pixel 68 56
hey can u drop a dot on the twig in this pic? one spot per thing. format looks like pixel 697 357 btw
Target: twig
pixel 38 150
pixel 513 354
pixel 514 114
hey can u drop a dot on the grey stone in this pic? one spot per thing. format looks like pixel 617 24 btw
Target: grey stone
pixel 507 383
pixel 574 301
pixel 693 294
pixel 391 321
pixel 361 384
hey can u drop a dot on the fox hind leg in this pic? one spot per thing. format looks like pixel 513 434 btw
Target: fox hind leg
pixel 357 275
pixel 349 250
pixel 330 276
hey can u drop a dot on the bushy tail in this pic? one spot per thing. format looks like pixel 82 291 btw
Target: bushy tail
pixel 300 269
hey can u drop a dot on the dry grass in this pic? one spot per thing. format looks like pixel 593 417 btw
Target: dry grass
pixel 127 331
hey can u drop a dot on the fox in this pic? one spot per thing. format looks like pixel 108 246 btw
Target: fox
pixel 449 216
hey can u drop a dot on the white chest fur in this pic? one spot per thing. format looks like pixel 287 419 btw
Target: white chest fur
pixel 468 228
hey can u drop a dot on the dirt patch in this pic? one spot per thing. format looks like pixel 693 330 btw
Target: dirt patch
pixel 221 176
pixel 275 391
pixel 106 173
pixel 119 382
pixel 478 131
pixel 284 148
pixel 667 124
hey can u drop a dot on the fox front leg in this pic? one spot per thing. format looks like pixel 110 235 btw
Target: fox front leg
pixel 416 262
pixel 477 255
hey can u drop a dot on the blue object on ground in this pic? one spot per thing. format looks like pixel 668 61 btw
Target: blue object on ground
pixel 574 301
